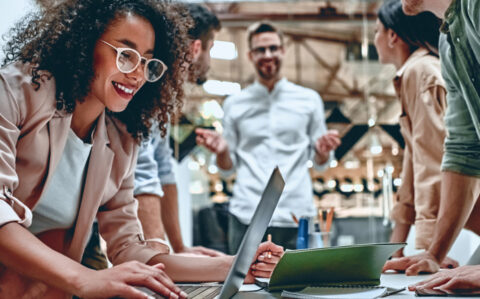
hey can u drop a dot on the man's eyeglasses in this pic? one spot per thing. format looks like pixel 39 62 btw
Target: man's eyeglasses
pixel 129 59
pixel 262 50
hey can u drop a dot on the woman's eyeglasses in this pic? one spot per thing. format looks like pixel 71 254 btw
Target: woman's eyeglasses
pixel 129 59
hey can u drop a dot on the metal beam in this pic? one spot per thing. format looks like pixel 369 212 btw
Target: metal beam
pixel 293 17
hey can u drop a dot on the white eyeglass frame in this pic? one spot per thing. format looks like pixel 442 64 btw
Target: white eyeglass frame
pixel 145 70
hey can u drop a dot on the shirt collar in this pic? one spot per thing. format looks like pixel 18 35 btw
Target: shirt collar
pixel 420 52
pixel 263 88
pixel 450 14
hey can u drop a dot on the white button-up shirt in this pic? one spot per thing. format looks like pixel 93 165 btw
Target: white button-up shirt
pixel 264 129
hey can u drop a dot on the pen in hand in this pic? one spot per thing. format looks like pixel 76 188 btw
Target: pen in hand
pixel 269 252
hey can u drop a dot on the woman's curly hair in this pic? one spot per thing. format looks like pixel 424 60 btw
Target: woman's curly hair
pixel 61 40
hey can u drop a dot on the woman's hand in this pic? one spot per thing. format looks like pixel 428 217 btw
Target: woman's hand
pixel 120 281
pixel 466 279
pixel 266 259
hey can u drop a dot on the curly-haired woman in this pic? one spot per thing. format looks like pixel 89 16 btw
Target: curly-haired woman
pixel 81 84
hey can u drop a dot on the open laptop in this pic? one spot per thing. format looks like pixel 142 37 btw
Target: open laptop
pixel 248 247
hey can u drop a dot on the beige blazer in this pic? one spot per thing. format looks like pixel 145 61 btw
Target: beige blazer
pixel 422 93
pixel 32 138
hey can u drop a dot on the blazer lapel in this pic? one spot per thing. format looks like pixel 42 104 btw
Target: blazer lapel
pixel 98 173
pixel 58 128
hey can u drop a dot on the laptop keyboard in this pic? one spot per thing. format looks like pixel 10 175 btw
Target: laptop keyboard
pixel 194 290
pixel 201 292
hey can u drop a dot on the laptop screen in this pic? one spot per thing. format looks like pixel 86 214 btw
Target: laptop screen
pixel 253 236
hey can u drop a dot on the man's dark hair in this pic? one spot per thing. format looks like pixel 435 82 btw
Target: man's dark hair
pixel 422 30
pixel 261 27
pixel 205 23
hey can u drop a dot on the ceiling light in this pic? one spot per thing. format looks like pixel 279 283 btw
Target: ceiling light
pixel 223 50
pixel 221 88
pixel 212 109
pixel 333 163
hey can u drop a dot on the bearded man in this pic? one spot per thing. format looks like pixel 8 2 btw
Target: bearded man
pixel 271 122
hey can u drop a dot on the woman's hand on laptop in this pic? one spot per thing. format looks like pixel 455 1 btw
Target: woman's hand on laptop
pixel 120 281
pixel 267 256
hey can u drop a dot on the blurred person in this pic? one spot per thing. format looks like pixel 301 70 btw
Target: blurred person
pixel 410 43
pixel 80 88
pixel 271 122
pixel 459 49
pixel 155 186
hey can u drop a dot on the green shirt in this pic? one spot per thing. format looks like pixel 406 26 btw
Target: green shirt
pixel 460 55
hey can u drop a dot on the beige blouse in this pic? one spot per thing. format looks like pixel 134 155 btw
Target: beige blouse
pixel 421 90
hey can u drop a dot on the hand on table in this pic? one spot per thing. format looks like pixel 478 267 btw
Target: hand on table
pixel 119 281
pixel 413 265
pixel 267 256
pixel 449 263
pixel 466 278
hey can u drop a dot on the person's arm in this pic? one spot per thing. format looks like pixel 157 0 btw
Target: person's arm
pixel 153 169
pixel 399 234
pixel 59 271
pixel 209 269
pixel 426 112
pixel 168 216
pixel 215 143
pixel 428 130
pixel 323 141
pixel 149 211
pixel 403 212
pixel 148 190
pixel 466 278
pixel 456 203
pixel 223 146
pixel 324 147
pixel 170 220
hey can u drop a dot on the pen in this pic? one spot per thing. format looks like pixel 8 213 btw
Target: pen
pixel 294 218
pixel 269 239
pixel 329 218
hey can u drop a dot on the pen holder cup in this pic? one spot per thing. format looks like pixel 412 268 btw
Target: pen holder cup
pixel 319 239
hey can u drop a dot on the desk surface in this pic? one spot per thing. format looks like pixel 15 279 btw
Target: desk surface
pixel 389 280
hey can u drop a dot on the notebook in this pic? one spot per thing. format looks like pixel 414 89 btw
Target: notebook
pixel 355 265
pixel 439 293
pixel 248 247
pixel 341 292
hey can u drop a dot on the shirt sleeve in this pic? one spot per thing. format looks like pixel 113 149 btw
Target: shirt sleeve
pixel 428 135
pixel 163 157
pixel 231 137
pixel 318 128
pixel 404 208
pixel 11 208
pixel 119 225
pixel 146 177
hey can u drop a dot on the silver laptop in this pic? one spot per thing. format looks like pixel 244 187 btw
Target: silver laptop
pixel 248 247
pixel 253 236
